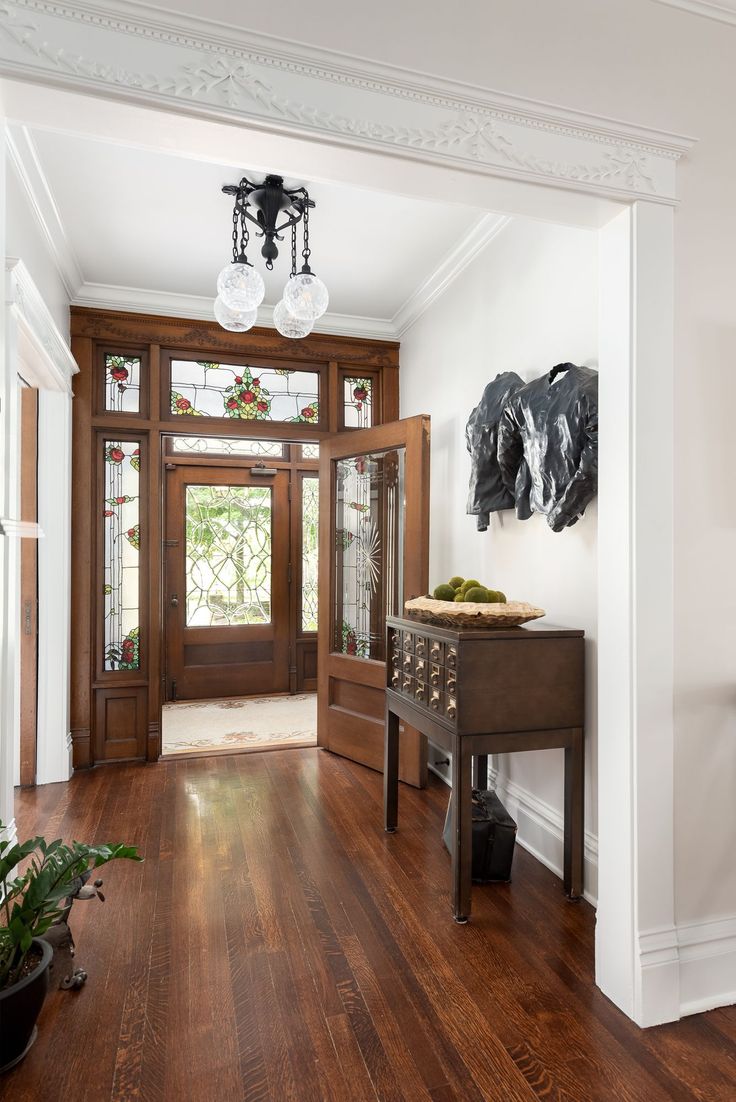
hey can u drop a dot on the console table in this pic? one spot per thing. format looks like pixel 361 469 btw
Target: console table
pixel 479 692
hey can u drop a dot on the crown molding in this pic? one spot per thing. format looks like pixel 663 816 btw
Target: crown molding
pixel 723 12
pixel 24 158
pixel 125 50
pixel 104 296
pixel 45 354
pixel 454 263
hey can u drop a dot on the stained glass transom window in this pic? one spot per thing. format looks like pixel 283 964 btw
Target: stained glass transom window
pixel 122 540
pixel 228 555
pixel 369 532
pixel 358 399
pixel 310 542
pixel 203 389
pixel 310 451
pixel 123 384
pixel 221 445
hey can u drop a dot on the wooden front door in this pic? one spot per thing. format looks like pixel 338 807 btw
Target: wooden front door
pixel 374 555
pixel 226 587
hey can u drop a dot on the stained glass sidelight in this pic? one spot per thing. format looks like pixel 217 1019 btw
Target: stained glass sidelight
pixel 310 541
pixel 358 401
pixel 122 384
pixel 122 540
pixel 219 445
pixel 203 389
pixel 228 555
pixel 369 532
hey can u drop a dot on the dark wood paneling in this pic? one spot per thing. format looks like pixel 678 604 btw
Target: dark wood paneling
pixel 121 726
pixel 276 945
pixel 85 522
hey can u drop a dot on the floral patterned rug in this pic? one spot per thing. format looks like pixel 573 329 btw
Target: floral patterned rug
pixel 248 723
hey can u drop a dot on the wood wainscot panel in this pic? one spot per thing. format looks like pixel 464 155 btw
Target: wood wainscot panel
pixel 121 723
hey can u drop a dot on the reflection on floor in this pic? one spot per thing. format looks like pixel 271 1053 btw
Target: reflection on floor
pixel 244 723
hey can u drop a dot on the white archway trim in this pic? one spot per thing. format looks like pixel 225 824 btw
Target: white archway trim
pixel 141 54
pixel 36 350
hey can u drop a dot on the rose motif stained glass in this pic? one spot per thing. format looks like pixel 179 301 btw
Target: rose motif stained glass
pixel 228 555
pixel 121 543
pixel 204 389
pixel 310 542
pixel 122 384
pixel 369 533
pixel 358 402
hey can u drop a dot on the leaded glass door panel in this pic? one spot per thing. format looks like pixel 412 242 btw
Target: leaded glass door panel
pixel 374 555
pixel 227 586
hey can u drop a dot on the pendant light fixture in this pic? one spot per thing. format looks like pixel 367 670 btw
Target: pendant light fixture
pixel 240 287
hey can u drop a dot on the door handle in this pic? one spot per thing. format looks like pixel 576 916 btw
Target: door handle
pixel 174 602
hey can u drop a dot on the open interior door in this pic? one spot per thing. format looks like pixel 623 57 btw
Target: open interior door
pixel 374 555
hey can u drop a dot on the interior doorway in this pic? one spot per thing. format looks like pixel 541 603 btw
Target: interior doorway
pixel 239 586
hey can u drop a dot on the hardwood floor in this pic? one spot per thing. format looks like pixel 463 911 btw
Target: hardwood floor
pixel 276 944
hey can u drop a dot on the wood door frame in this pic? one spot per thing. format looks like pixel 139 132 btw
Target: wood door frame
pixel 155 338
pixel 281 544
pixel 28 636
pixel 415 436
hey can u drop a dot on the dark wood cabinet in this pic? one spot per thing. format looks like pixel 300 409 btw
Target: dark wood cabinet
pixel 479 692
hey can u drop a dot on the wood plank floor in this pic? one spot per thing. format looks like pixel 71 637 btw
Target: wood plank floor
pixel 276 944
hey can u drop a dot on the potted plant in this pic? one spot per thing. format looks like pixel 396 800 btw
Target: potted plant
pixel 31 900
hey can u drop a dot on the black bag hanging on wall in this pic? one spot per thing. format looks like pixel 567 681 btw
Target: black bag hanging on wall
pixel 494 837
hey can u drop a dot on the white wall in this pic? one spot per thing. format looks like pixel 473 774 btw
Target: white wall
pixel 528 301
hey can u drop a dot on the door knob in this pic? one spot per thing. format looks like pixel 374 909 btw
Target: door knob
pixel 174 600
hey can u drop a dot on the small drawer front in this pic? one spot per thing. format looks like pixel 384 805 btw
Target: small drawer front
pixel 451 683
pixel 394 642
pixel 408 641
pixel 407 685
pixel 437 702
pixel 395 680
pixel 450 708
pixel 420 693
pixel 436 676
pixel 451 656
pixel 420 646
pixel 407 663
pixel 436 651
pixel 421 669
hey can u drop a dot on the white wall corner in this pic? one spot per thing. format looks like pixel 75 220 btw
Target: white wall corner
pixel 723 11
pixel 658 995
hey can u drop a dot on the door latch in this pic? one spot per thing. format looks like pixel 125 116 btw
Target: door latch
pixel 174 600
pixel 28 617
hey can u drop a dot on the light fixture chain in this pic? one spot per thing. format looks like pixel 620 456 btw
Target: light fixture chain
pixel 306 251
pixel 235 233
pixel 293 248
pixel 244 234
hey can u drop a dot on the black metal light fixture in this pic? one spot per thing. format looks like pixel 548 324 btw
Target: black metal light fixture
pixel 273 209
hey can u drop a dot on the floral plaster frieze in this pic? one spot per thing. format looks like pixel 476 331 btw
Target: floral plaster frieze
pixel 87 48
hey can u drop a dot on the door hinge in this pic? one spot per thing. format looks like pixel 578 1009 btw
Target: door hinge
pixel 288 574
pixel 170 466
pixel 289 490
pixel 171 543
pixel 173 690
pixel 28 617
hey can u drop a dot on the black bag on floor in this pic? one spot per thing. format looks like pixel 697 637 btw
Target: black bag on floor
pixel 494 837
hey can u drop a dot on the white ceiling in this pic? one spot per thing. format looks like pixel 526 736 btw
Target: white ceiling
pixel 158 224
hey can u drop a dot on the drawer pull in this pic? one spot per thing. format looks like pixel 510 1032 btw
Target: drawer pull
pixel 408 660
pixel 434 678
pixel 451 710
pixel 451 658
pixel 419 692
pixel 395 681
pixel 451 684
pixel 435 702
pixel 419 649
pixel 419 670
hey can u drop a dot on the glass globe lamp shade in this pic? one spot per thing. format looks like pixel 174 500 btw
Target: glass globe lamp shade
pixel 306 296
pixel 288 325
pixel 241 287
pixel 237 321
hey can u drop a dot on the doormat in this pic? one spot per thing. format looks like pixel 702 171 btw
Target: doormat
pixel 247 723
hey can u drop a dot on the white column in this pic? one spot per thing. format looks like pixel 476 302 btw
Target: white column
pixel 54 590
pixel 636 945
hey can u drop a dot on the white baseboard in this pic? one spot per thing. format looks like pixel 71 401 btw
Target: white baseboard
pixel 707 952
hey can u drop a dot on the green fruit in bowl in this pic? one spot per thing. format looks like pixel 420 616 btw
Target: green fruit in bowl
pixel 444 592
pixel 497 597
pixel 478 595
pixel 456 582
pixel 459 597
pixel 471 583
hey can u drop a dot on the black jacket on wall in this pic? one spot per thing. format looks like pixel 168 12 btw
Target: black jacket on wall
pixel 548 446
pixel 486 492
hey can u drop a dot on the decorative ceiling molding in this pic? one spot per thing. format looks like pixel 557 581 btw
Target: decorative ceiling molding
pixel 102 296
pixel 50 364
pixel 25 161
pixel 127 51
pixel 457 260
pixel 723 12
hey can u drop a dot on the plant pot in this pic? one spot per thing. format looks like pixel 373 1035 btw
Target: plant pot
pixel 20 1006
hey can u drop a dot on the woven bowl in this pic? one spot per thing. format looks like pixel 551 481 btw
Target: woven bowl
pixel 467 614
